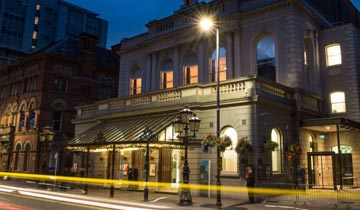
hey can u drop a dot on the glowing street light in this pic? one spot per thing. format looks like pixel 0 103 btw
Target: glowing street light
pixel 207 24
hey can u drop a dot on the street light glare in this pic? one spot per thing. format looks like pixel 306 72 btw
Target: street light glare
pixel 206 23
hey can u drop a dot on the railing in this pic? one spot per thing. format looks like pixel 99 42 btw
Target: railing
pixel 241 88
pixel 298 195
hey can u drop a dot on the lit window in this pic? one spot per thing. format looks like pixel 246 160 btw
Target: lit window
pixel 230 157
pixel 190 71
pixel 166 79
pixel 276 155
pixel 167 75
pixel 190 74
pixel 135 85
pixel 37 7
pixel 333 55
pixel 33 46
pixel 36 21
pixel 222 66
pixel 34 36
pixel 265 56
pixel 338 102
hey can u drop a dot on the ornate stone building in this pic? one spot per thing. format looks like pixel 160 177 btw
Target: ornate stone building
pixel 41 91
pixel 288 73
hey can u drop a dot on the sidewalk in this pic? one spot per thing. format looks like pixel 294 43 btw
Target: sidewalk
pixel 98 193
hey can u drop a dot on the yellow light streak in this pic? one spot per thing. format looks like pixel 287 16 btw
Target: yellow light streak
pixel 155 185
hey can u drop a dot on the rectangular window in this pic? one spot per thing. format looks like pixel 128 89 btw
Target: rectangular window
pixel 56 121
pixel 333 55
pixel 60 84
pixel 34 36
pixel 338 102
pixel 166 79
pixel 135 86
pixel 37 7
pixel 36 21
pixel 190 75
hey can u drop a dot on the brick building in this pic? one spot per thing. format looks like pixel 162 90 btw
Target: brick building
pixel 41 91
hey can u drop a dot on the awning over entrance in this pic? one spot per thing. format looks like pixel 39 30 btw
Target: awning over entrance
pixel 121 130
pixel 330 124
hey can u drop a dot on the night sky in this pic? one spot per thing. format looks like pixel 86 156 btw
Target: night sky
pixel 127 18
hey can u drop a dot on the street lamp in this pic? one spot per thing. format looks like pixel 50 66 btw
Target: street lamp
pixel 207 24
pixel 147 136
pixel 44 135
pixel 184 122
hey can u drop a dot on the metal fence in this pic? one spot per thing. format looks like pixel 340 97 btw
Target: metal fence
pixel 346 197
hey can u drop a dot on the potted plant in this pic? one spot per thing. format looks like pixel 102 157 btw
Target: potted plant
pixel 223 142
pixel 243 146
pixel 208 141
pixel 293 151
pixel 211 140
pixel 270 145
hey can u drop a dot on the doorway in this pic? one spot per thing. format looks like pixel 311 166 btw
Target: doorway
pixel 322 170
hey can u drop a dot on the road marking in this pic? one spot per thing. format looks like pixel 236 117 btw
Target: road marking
pixel 157 199
pixel 284 207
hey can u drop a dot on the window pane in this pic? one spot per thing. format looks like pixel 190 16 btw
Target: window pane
pixel 276 155
pixel 222 66
pixel 333 55
pixel 338 102
pixel 230 157
pixel 266 66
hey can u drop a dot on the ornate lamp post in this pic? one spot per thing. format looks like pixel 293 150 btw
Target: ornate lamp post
pixel 44 135
pixel 147 136
pixel 183 123
pixel 207 24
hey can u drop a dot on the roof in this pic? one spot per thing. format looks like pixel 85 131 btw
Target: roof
pixel 123 130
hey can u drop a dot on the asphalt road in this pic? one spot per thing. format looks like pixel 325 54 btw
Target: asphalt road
pixel 14 201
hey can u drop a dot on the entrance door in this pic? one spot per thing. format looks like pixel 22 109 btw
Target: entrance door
pixel 321 170
pixel 165 165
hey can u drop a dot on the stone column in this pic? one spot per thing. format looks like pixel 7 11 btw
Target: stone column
pixel 229 56
pixel 237 55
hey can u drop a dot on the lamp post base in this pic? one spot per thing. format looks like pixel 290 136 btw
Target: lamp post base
pixel 146 194
pixel 185 198
pixel 111 191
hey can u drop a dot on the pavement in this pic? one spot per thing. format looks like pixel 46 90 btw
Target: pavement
pixel 98 193
pixel 102 194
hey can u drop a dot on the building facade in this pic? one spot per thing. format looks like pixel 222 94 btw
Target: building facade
pixel 288 74
pixel 38 96
pixel 27 26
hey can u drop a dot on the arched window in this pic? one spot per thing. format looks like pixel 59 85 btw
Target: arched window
pixel 135 81
pixel 26 157
pixel 265 56
pixel 338 104
pixel 222 66
pixel 276 155
pixel 312 142
pixel 191 71
pixel 167 75
pixel 230 157
pixel 17 154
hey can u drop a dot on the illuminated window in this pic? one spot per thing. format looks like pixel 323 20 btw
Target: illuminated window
pixel 166 79
pixel 265 56
pixel 276 155
pixel 338 102
pixel 34 36
pixel 36 21
pixel 190 72
pixel 167 76
pixel 222 66
pixel 230 157
pixel 135 82
pixel 333 55
pixel 38 7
